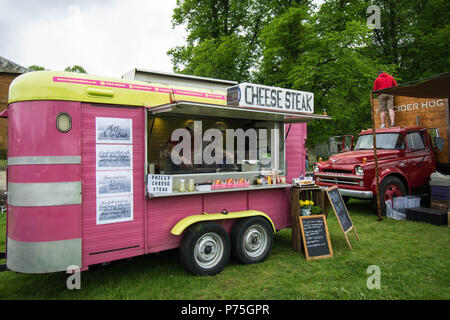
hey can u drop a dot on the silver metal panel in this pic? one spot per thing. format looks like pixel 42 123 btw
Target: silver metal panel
pixel 249 188
pixel 356 194
pixel 44 194
pixel 43 257
pixel 181 80
pixel 14 161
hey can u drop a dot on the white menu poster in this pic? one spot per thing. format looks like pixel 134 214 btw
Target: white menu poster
pixel 114 170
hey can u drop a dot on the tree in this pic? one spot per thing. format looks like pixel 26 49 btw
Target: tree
pixel 75 68
pixel 35 67
pixel 325 53
pixel 330 51
pixel 223 36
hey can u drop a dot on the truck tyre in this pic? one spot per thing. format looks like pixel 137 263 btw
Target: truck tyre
pixel 205 249
pixel 251 240
pixel 390 187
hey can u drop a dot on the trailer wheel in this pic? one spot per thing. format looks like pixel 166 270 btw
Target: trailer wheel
pixel 251 240
pixel 205 249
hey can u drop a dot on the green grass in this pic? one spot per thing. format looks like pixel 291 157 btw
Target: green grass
pixel 413 258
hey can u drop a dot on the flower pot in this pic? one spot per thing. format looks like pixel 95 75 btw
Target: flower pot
pixel 306 211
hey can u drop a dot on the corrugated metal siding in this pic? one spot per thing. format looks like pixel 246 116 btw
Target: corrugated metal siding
pixel 121 239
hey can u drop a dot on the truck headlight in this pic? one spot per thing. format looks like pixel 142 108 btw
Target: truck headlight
pixel 359 171
pixel 316 168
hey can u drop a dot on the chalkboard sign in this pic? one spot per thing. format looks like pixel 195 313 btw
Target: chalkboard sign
pixel 340 210
pixel 339 207
pixel 316 239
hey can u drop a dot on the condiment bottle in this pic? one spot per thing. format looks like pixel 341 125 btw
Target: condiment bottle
pixel 182 186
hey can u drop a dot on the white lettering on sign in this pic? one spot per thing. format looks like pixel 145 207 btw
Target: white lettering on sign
pixel 418 106
pixel 270 98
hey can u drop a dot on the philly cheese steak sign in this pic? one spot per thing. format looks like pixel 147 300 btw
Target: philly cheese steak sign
pixel 248 95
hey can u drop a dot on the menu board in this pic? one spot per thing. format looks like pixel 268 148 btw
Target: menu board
pixel 316 239
pixel 114 170
pixel 339 207
pixel 340 210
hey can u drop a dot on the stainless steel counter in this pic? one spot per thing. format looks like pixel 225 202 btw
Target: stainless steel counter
pixel 249 188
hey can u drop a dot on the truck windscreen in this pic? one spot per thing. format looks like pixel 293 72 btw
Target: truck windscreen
pixel 388 141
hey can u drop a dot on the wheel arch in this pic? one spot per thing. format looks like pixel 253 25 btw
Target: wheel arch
pixel 398 175
pixel 188 221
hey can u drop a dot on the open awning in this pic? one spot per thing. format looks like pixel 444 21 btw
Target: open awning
pixel 214 110
pixel 432 87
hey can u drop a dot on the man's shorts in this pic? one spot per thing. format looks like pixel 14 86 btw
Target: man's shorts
pixel 385 102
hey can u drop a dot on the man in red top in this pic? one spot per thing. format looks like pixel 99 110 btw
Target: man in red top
pixel 385 101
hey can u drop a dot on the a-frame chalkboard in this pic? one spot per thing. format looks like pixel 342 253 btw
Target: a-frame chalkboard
pixel 340 210
pixel 316 239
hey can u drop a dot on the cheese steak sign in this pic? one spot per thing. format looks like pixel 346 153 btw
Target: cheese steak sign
pixel 248 95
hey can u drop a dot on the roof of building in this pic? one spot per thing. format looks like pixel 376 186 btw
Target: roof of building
pixel 7 66
pixel 436 86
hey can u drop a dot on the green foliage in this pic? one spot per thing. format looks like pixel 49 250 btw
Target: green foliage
pixel 35 67
pixel 328 50
pixel 75 68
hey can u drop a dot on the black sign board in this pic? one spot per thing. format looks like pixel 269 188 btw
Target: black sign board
pixel 340 210
pixel 316 239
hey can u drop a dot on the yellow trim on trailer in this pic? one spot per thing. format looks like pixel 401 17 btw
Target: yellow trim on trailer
pixel 70 86
pixel 188 221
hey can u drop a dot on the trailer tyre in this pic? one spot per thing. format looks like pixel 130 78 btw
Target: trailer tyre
pixel 251 240
pixel 205 249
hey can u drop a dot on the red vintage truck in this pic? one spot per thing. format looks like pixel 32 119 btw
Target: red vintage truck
pixel 407 154
pixel 405 162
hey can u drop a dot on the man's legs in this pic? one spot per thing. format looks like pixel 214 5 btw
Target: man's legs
pixel 392 116
pixel 390 107
pixel 382 108
pixel 383 118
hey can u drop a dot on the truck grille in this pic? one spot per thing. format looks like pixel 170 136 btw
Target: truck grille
pixel 339 178
pixel 336 181
pixel 338 171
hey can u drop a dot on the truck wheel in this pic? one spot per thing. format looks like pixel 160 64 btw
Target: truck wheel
pixel 205 249
pixel 251 240
pixel 390 187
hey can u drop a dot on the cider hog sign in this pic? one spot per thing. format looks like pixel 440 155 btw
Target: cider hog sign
pixel 254 96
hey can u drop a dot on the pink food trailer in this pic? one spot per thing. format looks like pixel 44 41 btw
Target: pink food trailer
pixel 90 178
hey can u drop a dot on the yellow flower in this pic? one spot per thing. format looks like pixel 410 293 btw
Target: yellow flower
pixel 301 203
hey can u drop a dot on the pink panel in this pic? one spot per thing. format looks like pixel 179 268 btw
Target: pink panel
pixel 108 242
pixel 32 129
pixel 272 203
pixel 44 173
pixel 163 214
pixel 36 224
pixel 32 132
pixel 232 201
pixel 295 150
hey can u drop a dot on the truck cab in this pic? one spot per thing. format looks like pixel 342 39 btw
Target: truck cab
pixel 405 162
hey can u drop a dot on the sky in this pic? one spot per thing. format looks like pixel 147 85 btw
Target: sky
pixel 106 37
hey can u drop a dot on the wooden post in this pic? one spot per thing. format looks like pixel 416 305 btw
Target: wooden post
pixel 372 112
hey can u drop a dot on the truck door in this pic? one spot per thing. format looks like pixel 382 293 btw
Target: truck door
pixel 113 160
pixel 418 159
